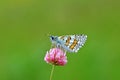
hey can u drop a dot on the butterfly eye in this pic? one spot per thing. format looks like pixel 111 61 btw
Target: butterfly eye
pixel 52 38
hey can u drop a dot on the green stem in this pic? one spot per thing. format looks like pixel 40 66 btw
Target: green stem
pixel 52 72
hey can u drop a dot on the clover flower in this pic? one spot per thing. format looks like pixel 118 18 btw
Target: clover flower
pixel 56 56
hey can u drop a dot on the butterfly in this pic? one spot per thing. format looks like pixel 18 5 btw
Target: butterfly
pixel 69 43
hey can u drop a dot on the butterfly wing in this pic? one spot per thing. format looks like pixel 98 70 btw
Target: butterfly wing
pixel 72 43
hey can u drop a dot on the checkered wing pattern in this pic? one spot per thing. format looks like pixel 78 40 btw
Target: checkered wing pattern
pixel 72 43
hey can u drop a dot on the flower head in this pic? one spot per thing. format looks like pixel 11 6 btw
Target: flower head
pixel 56 57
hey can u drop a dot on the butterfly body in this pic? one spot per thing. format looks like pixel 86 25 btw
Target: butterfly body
pixel 70 43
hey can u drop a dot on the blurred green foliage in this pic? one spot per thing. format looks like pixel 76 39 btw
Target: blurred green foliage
pixel 25 24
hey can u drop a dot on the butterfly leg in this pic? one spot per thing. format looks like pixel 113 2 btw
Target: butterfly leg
pixel 58 46
pixel 62 49
pixel 53 46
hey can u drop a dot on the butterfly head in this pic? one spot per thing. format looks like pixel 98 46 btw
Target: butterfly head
pixel 53 38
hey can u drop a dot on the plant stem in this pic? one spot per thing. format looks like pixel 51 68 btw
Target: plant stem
pixel 52 72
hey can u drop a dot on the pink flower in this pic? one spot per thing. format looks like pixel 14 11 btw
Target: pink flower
pixel 56 57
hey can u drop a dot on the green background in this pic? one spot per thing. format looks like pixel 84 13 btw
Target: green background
pixel 24 29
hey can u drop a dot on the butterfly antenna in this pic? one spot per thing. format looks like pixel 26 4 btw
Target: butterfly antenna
pixel 48 35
